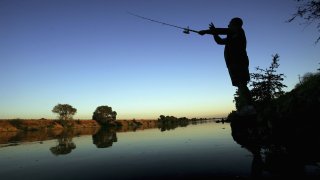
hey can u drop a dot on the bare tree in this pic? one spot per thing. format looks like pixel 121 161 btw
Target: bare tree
pixel 309 11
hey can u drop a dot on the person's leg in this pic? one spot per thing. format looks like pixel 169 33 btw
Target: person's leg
pixel 244 94
pixel 246 107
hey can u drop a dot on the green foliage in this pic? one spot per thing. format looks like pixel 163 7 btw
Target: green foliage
pixel 65 111
pixel 266 84
pixel 104 115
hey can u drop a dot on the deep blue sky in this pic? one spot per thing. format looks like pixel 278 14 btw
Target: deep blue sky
pixel 91 53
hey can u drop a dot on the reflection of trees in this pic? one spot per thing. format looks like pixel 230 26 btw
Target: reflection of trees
pixel 105 137
pixel 172 126
pixel 276 153
pixel 166 123
pixel 167 126
pixel 65 144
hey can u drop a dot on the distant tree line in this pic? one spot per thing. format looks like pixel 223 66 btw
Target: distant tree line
pixel 170 122
pixel 104 115
pixel 172 119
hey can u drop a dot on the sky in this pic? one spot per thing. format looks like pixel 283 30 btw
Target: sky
pixel 92 53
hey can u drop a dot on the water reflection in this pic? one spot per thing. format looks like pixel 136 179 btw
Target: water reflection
pixel 171 125
pixel 203 151
pixel 284 153
pixel 20 137
pixel 64 145
pixel 104 138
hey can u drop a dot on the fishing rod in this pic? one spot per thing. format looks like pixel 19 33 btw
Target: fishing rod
pixel 186 30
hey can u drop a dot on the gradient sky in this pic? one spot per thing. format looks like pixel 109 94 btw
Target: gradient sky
pixel 91 53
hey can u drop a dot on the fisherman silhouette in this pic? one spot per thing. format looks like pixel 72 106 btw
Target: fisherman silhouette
pixel 236 59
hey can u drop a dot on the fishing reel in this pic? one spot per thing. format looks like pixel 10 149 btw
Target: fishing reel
pixel 186 30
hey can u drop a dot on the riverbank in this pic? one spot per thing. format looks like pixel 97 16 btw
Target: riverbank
pixel 15 125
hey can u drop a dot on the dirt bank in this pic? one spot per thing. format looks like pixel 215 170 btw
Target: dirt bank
pixel 15 125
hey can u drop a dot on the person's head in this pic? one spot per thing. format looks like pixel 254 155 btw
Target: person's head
pixel 236 23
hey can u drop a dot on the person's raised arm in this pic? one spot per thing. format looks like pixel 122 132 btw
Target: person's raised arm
pixel 208 31
pixel 221 31
pixel 203 32
pixel 219 40
pixel 215 31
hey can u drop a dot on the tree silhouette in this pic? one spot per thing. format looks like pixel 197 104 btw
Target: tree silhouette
pixel 266 84
pixel 65 111
pixel 104 115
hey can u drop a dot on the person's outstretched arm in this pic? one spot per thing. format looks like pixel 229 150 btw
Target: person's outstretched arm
pixel 215 31
pixel 207 31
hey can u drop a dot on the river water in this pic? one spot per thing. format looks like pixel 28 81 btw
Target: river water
pixel 197 151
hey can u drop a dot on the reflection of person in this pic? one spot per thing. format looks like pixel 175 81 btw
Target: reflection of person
pixel 236 59
pixel 257 162
pixel 271 157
